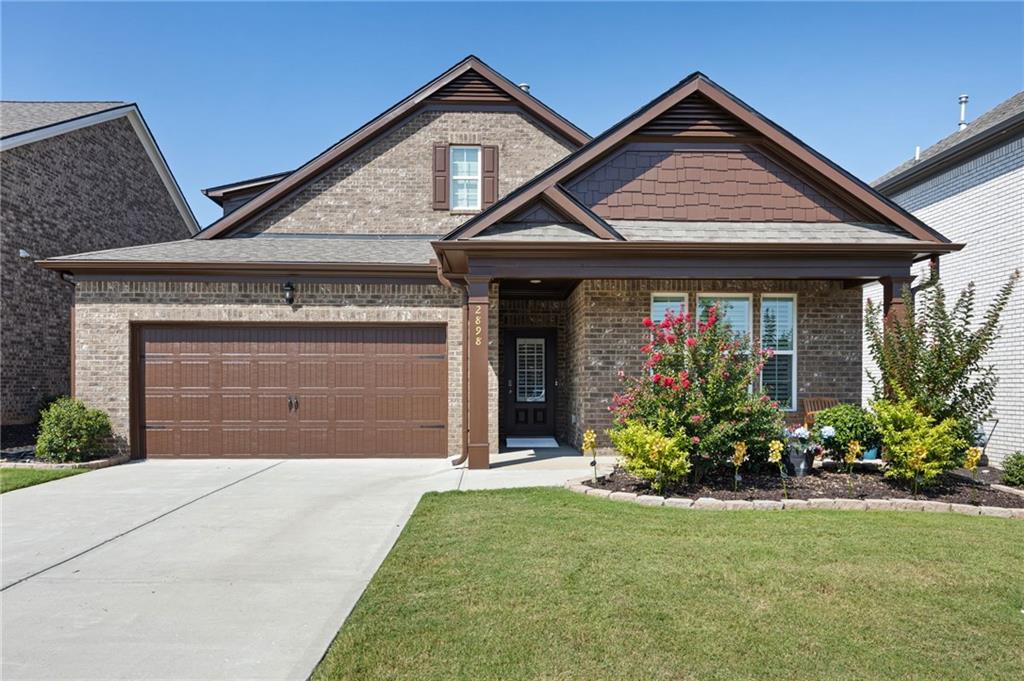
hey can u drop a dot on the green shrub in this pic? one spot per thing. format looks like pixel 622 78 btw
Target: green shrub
pixel 850 422
pixel 70 431
pixel 916 449
pixel 651 456
pixel 695 390
pixel 1013 469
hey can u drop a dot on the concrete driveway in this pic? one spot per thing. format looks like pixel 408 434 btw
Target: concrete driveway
pixel 208 569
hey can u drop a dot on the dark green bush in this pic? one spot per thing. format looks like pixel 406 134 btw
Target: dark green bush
pixel 851 422
pixel 70 431
pixel 1013 469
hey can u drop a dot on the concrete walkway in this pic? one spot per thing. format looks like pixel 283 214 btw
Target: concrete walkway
pixel 210 569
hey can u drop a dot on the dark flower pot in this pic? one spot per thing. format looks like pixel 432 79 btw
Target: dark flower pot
pixel 798 463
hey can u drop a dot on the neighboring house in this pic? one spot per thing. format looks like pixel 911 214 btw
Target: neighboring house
pixel 76 176
pixel 970 186
pixel 470 266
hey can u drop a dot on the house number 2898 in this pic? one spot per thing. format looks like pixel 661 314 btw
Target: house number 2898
pixel 478 328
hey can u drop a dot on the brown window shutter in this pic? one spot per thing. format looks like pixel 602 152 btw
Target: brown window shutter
pixel 440 175
pixel 489 176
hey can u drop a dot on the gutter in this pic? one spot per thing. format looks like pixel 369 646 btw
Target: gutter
pixel 427 270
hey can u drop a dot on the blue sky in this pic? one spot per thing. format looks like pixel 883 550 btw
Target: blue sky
pixel 238 90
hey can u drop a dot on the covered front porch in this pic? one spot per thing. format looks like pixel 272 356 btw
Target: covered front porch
pixel 545 351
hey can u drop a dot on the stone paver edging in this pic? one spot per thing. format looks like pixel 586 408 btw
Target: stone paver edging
pixel 87 465
pixel 709 504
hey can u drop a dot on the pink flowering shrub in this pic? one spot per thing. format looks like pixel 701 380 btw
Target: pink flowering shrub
pixel 696 390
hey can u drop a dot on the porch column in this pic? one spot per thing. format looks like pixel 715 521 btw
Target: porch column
pixel 892 297
pixel 477 395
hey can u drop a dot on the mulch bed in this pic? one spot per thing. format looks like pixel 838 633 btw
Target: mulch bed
pixel 820 484
pixel 18 437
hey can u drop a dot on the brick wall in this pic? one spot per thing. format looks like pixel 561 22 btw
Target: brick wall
pixel 104 311
pixel 386 188
pixel 90 189
pixel 605 332
pixel 979 202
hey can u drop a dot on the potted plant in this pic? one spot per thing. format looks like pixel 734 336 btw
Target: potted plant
pixel 800 451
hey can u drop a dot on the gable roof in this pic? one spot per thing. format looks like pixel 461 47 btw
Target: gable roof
pixel 471 80
pixel 669 109
pixel 28 122
pixel 19 117
pixel 986 130
pixel 223 192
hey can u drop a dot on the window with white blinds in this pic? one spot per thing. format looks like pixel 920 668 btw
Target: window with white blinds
pixel 664 302
pixel 778 333
pixel 530 370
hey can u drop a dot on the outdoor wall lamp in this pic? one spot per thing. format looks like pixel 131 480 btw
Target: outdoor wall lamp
pixel 289 292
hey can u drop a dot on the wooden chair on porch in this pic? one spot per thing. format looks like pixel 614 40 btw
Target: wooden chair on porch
pixel 812 405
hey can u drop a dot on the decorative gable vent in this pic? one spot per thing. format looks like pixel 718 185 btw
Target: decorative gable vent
pixel 470 87
pixel 695 115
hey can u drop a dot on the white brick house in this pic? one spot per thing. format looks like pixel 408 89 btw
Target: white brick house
pixel 970 186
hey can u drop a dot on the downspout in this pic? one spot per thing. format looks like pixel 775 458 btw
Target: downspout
pixel 932 280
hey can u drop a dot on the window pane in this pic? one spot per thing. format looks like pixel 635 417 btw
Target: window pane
pixel 660 304
pixel 465 161
pixel 465 194
pixel 777 379
pixel 735 312
pixel 529 369
pixel 777 323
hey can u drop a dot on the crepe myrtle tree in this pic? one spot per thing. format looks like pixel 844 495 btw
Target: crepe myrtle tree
pixel 935 356
pixel 697 389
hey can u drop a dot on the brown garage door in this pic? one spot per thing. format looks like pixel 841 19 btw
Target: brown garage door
pixel 297 391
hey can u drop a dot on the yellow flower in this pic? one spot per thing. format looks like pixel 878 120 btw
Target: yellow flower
pixel 853 450
pixel 973 458
pixel 739 453
pixel 918 455
pixel 775 448
pixel 589 442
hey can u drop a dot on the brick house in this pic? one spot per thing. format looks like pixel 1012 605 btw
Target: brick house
pixel 970 185
pixel 76 176
pixel 469 266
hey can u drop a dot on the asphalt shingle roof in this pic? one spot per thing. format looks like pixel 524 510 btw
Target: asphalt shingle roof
pixel 19 117
pixel 1013 106
pixel 708 232
pixel 277 249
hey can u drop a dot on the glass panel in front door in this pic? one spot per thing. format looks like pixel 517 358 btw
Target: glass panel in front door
pixel 530 370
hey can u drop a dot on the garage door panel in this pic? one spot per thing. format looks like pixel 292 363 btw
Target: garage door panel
pixel 194 409
pixel 236 408
pixel 161 373
pixel 161 408
pixel 194 442
pixel 236 374
pixel 355 391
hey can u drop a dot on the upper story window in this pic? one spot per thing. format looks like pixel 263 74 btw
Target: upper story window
pixel 466 178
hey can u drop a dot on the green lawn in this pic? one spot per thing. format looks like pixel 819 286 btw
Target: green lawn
pixel 16 478
pixel 547 584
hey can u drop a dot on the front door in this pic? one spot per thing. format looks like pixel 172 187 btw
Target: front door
pixel 529 382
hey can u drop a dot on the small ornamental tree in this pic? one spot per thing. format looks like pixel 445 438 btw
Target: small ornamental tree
pixel 697 390
pixel 936 355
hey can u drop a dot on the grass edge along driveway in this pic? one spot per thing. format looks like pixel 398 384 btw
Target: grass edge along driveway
pixel 17 478
pixel 547 584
